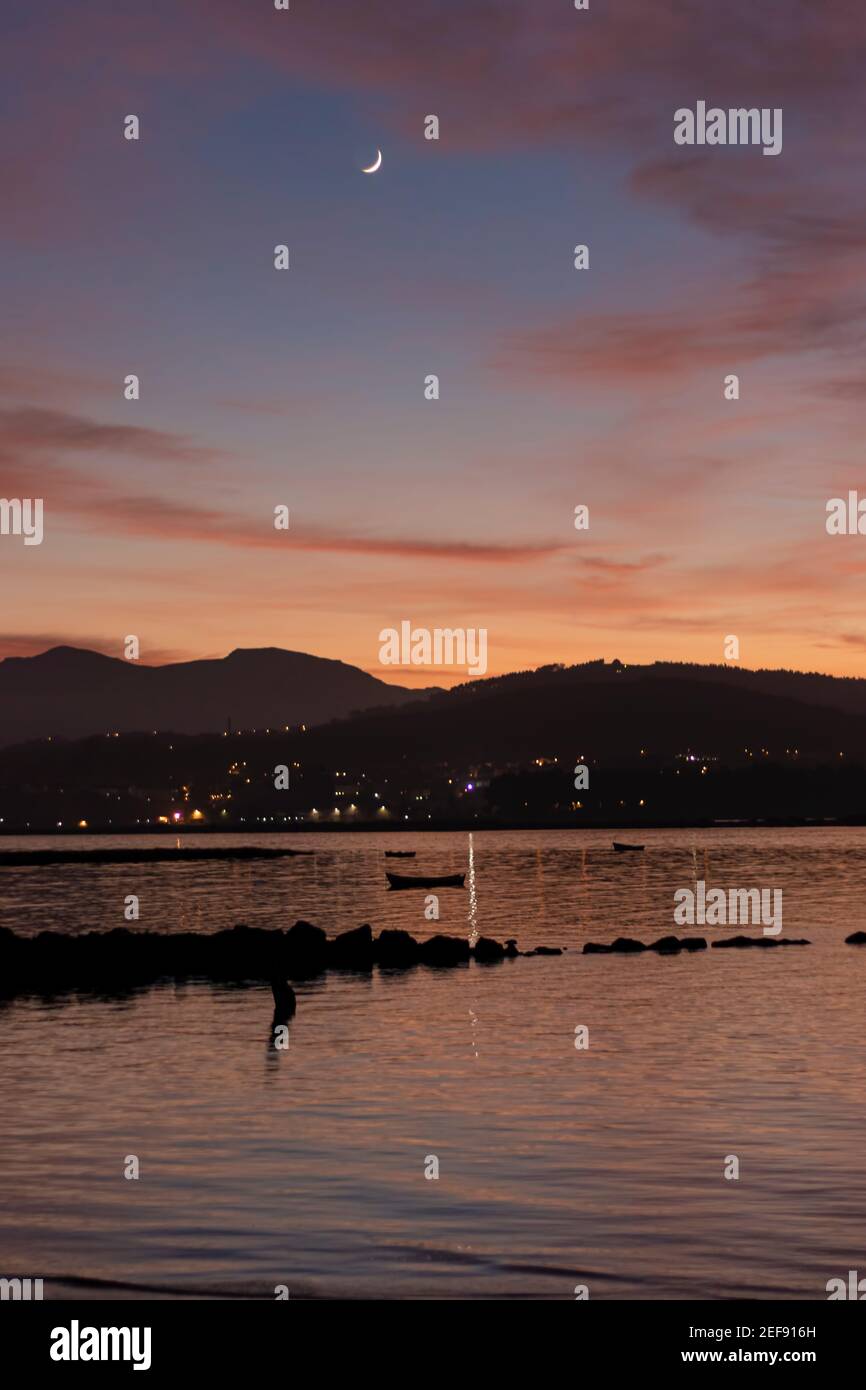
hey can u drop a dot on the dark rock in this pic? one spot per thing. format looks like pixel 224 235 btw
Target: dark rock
pixel 444 950
pixel 511 947
pixel 671 945
pixel 396 948
pixel 352 950
pixel 857 938
pixel 545 951
pixel 740 942
pixel 761 941
pixel 622 944
pixel 666 945
pixel 487 950
pixel 244 953
pixel 305 949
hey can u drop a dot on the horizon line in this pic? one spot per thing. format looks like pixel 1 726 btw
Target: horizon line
pixel 431 671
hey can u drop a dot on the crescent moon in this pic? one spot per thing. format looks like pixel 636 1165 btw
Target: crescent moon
pixel 377 163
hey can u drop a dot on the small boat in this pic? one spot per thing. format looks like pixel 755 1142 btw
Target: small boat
pixel 444 881
pixel 622 848
pixel 400 853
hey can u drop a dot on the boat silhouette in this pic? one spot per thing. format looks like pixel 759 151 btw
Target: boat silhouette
pixel 443 881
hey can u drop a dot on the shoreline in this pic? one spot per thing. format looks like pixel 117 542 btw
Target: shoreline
pixel 153 855
pixel 438 827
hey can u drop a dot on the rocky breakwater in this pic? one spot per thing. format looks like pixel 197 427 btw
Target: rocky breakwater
pixel 117 961
pixel 672 945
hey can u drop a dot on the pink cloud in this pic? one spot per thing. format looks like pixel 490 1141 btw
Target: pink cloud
pixel 29 436
pixel 33 429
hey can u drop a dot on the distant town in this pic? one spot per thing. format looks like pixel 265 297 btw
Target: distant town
pixel 589 745
pixel 263 781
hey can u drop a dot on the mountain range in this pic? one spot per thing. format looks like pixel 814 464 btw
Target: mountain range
pixel 665 743
pixel 71 693
pixel 607 709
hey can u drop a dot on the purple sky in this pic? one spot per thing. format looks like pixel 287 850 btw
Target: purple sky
pixel 558 387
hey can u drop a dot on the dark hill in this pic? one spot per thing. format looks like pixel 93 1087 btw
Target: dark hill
pixel 70 693
pixel 603 712
pixel 662 745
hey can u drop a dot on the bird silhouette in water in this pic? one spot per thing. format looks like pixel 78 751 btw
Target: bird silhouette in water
pixel 285 1005
pixel 285 1002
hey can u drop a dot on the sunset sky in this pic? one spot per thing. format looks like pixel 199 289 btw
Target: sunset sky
pixel 558 387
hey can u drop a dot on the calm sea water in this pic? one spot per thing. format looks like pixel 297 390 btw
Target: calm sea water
pixel 558 1167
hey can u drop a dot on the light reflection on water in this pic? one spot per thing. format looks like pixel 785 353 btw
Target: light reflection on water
pixel 557 1166
pixel 473 894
